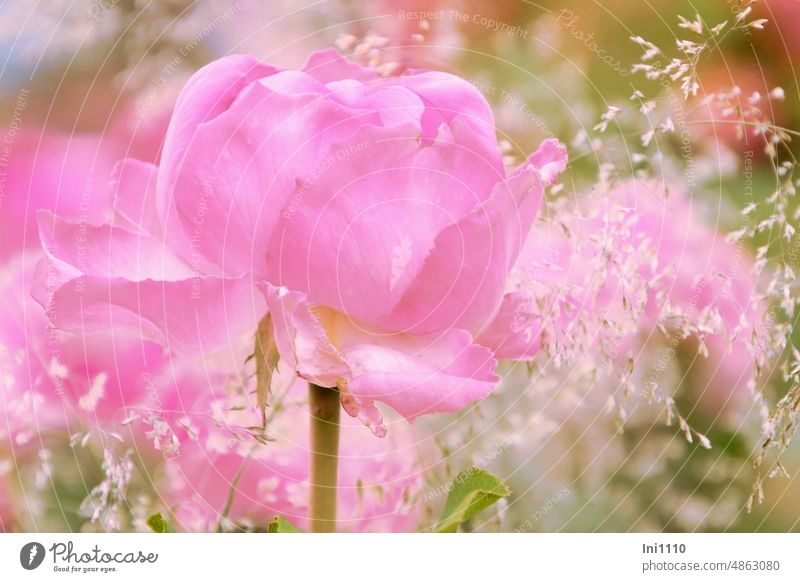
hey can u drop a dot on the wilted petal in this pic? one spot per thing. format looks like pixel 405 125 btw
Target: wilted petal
pixel 302 340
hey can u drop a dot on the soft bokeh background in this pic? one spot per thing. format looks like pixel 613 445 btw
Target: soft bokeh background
pixel 84 83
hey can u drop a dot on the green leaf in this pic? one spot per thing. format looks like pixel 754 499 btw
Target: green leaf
pixel 280 525
pixel 473 491
pixel 158 524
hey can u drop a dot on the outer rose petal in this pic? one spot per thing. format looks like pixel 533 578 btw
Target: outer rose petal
pixel 413 374
pixel 100 277
pixel 550 159
pixel 107 250
pixel 301 339
pixel 418 375
pixel 206 314
pixel 463 280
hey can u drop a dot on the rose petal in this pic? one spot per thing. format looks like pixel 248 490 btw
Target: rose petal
pixel 550 159
pixel 448 97
pixel 413 374
pixel 202 315
pixel 99 277
pixel 302 340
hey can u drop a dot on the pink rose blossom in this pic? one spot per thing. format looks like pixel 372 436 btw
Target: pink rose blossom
pixel 372 216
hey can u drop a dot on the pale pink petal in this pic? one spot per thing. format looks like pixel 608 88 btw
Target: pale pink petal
pixel 108 250
pixel 550 159
pixel 417 375
pixel 209 92
pixel 204 315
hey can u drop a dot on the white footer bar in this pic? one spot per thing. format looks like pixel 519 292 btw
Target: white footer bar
pixel 352 557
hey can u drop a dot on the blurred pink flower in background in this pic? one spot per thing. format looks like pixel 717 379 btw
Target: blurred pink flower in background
pixel 68 173
pixel 374 214
pixel 704 291
pixel 60 390
pixel 579 284
pixel 55 382
pixel 636 266
pixel 219 465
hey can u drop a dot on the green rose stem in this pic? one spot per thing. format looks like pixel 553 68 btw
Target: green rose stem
pixel 324 406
